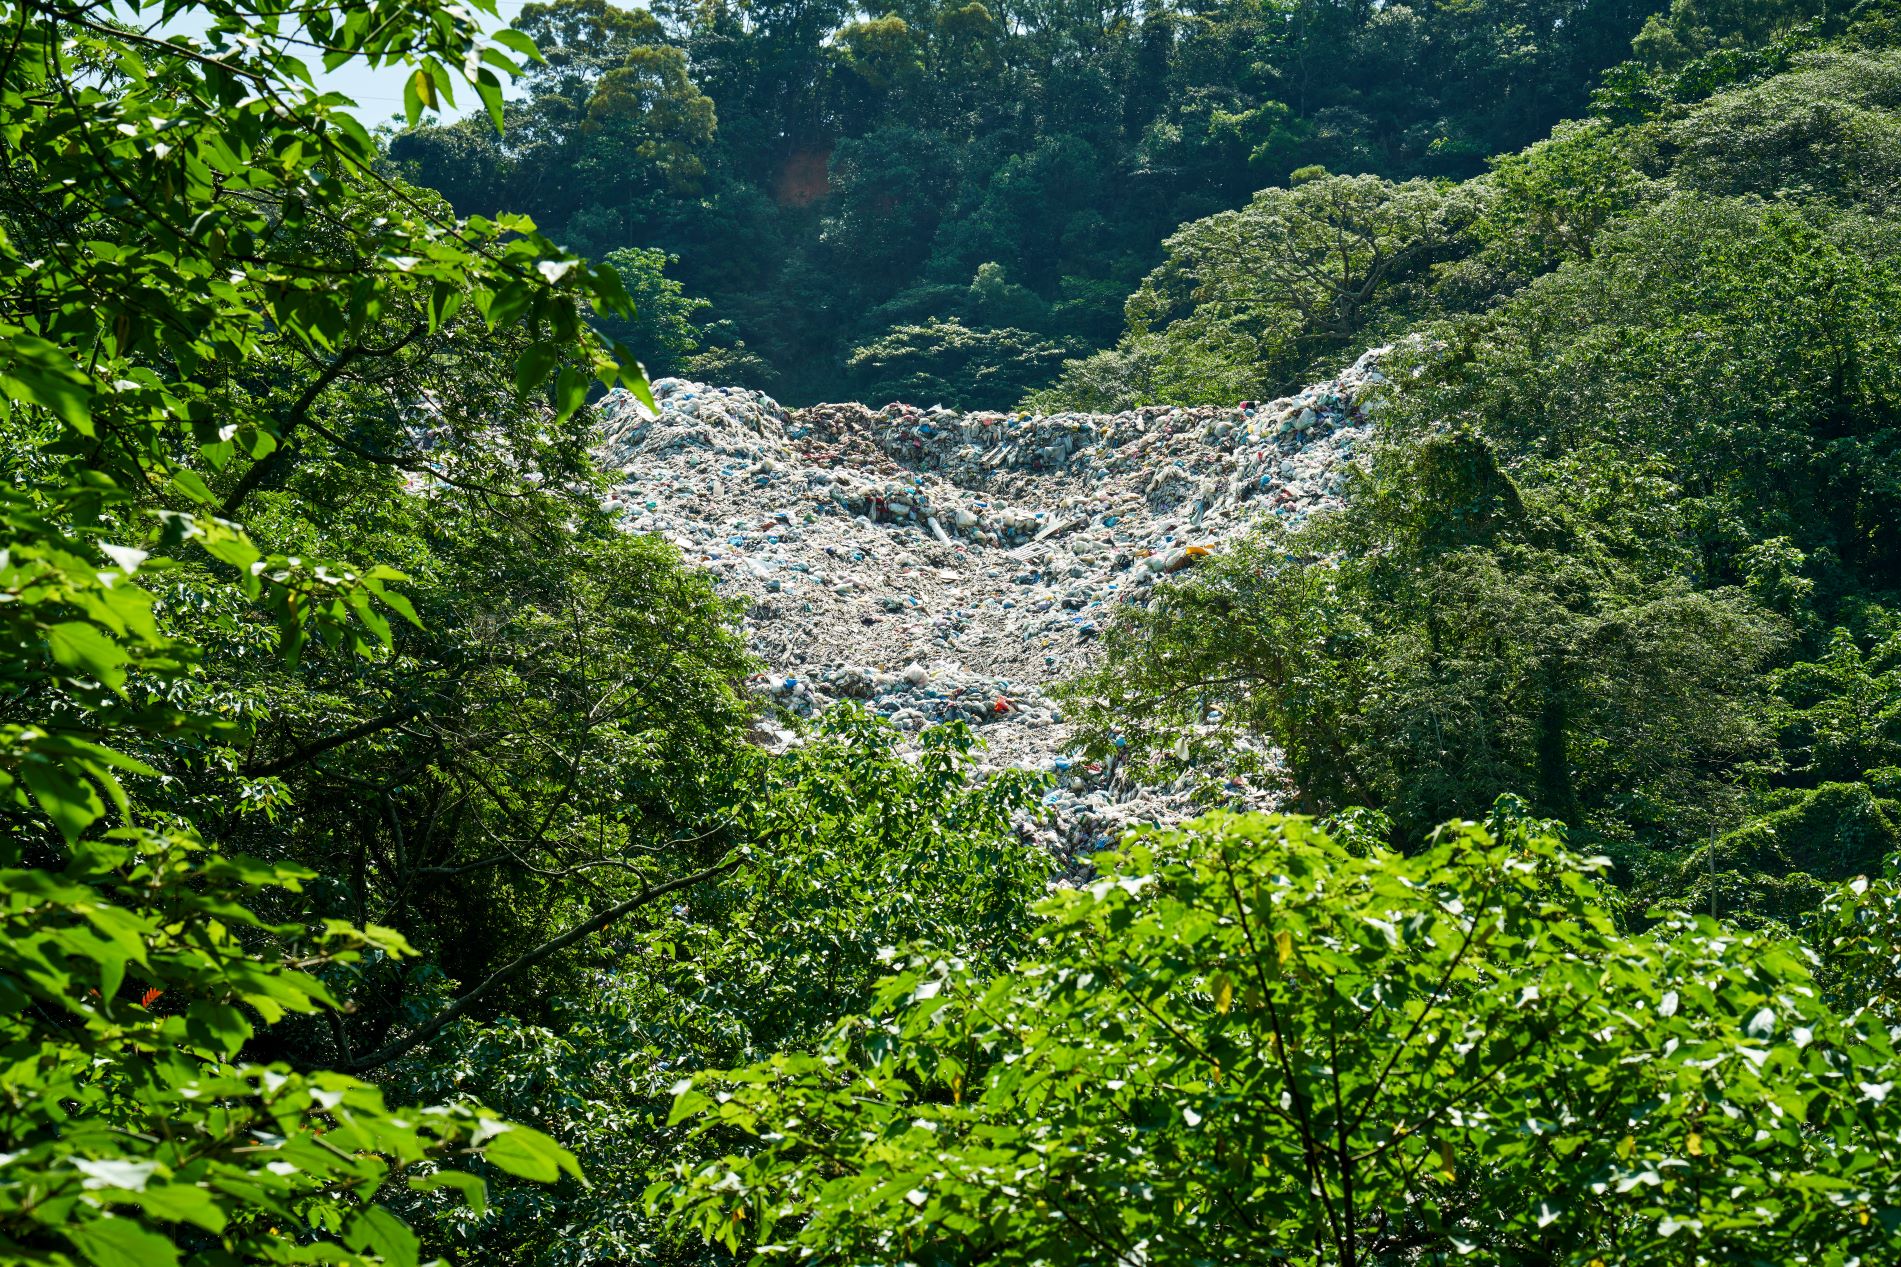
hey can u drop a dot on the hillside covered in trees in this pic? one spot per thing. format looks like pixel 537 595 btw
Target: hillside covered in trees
pixel 879 204
pixel 398 863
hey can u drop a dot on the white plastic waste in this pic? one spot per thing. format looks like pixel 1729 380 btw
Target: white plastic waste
pixel 948 566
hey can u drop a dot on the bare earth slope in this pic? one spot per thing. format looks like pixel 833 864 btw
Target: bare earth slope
pixel 943 565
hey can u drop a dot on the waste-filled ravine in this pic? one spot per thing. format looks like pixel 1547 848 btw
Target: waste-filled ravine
pixel 939 565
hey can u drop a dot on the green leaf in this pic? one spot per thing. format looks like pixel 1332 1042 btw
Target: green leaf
pixel 632 375
pixel 70 802
pixel 528 1154
pixel 516 41
pixel 375 1230
pixel 401 606
pixel 258 443
pixel 82 649
pixel 490 90
pixel 218 1027
pixel 372 619
pixel 419 91
pixel 570 392
pixel 444 302
pixel 510 298
pixel 111 975
pixel 472 1188
pixel 131 765
pixel 231 547
pixel 43 374
pixel 532 366
pixel 117 1242
pixel 183 1203
pixel 687 1102
pixel 192 485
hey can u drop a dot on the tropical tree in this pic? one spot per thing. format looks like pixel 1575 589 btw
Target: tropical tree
pixel 1245 301
pixel 158 210
pixel 1250 1042
pixel 856 848
pixel 949 363
pixel 1448 637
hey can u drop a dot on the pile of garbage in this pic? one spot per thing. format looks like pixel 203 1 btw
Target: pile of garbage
pixel 939 565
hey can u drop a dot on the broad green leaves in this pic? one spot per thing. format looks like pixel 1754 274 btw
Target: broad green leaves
pixel 38 372
pixel 79 626
pixel 81 648
pixel 119 1242
pixel 530 1155
pixel 129 1125
pixel 855 849
pixel 195 250
pixel 1246 1044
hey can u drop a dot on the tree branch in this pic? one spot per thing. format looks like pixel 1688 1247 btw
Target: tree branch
pixel 299 415
pixel 260 471
pixel 413 465
pixel 594 924
pixel 301 753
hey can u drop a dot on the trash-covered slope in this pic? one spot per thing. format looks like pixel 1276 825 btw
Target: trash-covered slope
pixel 943 565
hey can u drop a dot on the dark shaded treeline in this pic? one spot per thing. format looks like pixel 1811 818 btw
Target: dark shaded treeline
pixel 832 177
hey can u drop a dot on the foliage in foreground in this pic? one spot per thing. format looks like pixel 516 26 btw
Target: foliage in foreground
pixel 136 1129
pixel 855 848
pixel 237 353
pixel 170 213
pixel 1248 1042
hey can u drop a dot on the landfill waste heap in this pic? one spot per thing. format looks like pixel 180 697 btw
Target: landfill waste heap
pixel 939 565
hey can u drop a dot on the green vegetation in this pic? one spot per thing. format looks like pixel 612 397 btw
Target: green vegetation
pixel 201 280
pixel 1246 300
pixel 277 822
pixel 1249 1041
pixel 831 178
pixel 853 850
pixel 1627 546
pixel 1451 643
pixel 387 870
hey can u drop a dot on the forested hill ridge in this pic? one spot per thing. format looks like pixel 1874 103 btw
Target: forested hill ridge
pixel 1625 546
pixel 1628 547
pixel 948 198
pixel 391 869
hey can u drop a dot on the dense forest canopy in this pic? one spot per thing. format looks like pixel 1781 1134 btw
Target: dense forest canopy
pixel 389 871
pixel 1629 551
pixel 883 203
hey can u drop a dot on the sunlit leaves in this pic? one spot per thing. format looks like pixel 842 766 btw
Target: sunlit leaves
pixel 856 849
pixel 35 371
pixel 1248 1044
pixel 83 648
pixel 530 1154
pixel 142 947
pixel 156 252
